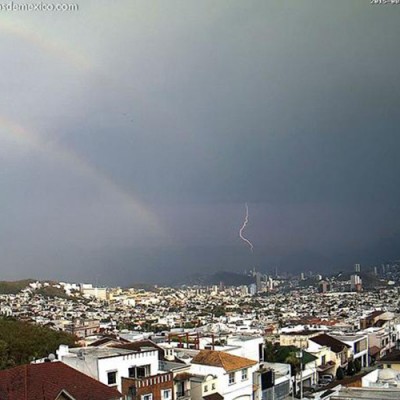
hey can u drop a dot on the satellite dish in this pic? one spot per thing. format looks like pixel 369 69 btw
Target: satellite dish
pixel 51 357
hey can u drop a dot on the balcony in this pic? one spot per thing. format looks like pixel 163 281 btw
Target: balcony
pixel 326 366
pixel 181 395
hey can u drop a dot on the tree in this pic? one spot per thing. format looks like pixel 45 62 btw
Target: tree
pixel 270 351
pixel 21 342
pixel 357 365
pixel 219 311
pixel 340 374
pixel 5 359
pixel 351 370
pixel 294 363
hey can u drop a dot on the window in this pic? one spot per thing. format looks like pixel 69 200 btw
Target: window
pixel 147 397
pixel 323 360
pixel 166 394
pixel 231 378
pixel 112 377
pixel 213 386
pixel 205 388
pixel 139 372
pixel 244 374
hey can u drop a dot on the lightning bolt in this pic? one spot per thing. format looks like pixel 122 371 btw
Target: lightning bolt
pixel 246 220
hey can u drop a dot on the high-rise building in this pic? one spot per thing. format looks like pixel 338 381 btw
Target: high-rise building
pixel 357 268
pixel 356 283
pixel 252 289
pixel 324 287
pixel 244 290
pixel 258 282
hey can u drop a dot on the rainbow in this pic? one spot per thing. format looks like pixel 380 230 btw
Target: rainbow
pixel 137 210
pixel 20 135
pixel 46 42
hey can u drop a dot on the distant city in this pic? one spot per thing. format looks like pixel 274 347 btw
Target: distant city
pixel 270 336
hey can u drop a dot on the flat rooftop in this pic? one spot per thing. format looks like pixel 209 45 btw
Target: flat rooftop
pixel 348 337
pixel 100 352
pixel 367 393
pixel 244 338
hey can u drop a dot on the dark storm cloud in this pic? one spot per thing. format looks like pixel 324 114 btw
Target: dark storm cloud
pixel 195 108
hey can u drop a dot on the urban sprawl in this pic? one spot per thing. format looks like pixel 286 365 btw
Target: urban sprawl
pixel 308 336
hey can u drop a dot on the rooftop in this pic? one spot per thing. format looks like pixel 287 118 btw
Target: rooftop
pixel 48 380
pixel 101 352
pixel 228 362
pixel 325 340
pixel 367 393
pixel 393 357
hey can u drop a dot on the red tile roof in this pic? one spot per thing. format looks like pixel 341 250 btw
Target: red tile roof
pixel 228 362
pixel 45 382
pixel 214 396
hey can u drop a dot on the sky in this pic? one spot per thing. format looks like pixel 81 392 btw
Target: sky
pixel 132 134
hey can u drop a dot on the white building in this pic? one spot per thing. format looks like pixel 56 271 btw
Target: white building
pixel 98 293
pixel 273 381
pixel 358 346
pixel 251 347
pixel 109 365
pixel 231 375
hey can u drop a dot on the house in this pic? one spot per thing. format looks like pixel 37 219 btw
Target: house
pixel 371 319
pixel 273 381
pixel 156 387
pixel 251 347
pixel 297 338
pixel 358 346
pixel 325 358
pixel 302 365
pixel 52 381
pixel 378 342
pixel 109 365
pixel 223 375
pixel 171 382
pixel 391 360
pixel 339 351
pixel 83 328
pixel 387 326
pixel 105 341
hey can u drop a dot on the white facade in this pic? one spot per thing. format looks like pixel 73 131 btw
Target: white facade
pixel 251 347
pixel 98 293
pixel 109 365
pixel 239 388
pixel 358 346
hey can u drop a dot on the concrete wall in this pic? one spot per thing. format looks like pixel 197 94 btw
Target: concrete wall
pixel 121 364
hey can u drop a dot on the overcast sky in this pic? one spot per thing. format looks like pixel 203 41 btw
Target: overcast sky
pixel 132 133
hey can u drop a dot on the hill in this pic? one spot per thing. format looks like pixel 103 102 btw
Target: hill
pixel 369 280
pixel 227 278
pixel 14 287
pixel 21 342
